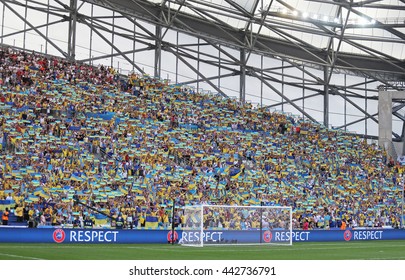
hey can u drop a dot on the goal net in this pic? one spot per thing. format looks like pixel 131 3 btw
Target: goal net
pixel 236 225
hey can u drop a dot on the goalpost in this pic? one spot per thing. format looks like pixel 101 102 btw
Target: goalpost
pixel 236 225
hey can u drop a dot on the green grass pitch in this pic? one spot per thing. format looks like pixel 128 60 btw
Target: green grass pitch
pixel 364 250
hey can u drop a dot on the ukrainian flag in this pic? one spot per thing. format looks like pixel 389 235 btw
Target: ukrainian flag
pixel 124 190
pixel 151 221
pixel 76 178
pixel 254 201
pixel 44 195
pixel 236 176
pixel 137 190
pixel 245 194
pixel 33 198
pixel 236 172
pixel 38 191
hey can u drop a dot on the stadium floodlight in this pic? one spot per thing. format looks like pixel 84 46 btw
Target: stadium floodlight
pixel 236 225
pixel 362 21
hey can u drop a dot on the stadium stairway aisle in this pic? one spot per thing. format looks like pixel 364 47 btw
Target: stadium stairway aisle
pixel 12 219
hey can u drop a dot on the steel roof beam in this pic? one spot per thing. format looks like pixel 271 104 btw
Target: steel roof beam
pixel 284 97
pixel 394 110
pixel 35 29
pixel 357 107
pixel 30 29
pixel 113 55
pixel 113 46
pixel 197 72
pixel 293 100
pixel 207 78
pixel 228 36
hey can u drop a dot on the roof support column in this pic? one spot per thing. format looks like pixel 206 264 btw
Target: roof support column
pixel 25 24
pixel 72 30
pixel 158 51
pixel 385 120
pixel 2 23
pixel 326 97
pixel 401 152
pixel 385 110
pixel 242 79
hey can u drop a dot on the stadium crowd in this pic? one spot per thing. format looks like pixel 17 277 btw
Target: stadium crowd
pixel 130 146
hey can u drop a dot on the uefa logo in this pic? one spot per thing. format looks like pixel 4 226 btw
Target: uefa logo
pixel 267 236
pixel 59 235
pixel 172 236
pixel 347 235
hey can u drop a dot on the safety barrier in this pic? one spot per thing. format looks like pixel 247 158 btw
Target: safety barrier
pixel 59 235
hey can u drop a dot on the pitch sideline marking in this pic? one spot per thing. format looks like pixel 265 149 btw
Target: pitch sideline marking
pixel 285 248
pixel 21 257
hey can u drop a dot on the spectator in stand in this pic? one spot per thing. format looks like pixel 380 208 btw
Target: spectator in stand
pixel 42 219
pixel 119 223
pixel 19 213
pixel 26 214
pixel 77 223
pixel 343 225
pixel 129 222
pixel 71 130
pixel 305 226
pixel 5 217
pixel 88 222
pixel 32 222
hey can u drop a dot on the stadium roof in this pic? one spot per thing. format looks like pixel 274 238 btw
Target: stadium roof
pixel 363 36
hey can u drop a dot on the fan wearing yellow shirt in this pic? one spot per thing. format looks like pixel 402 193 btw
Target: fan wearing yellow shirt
pixel 19 211
pixel 165 219
pixel 31 212
pixel 142 218
pixel 124 217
